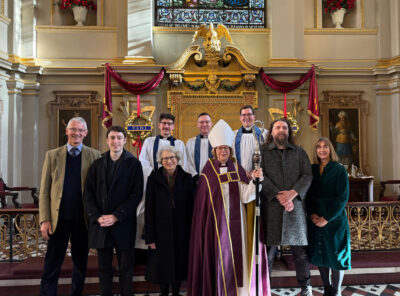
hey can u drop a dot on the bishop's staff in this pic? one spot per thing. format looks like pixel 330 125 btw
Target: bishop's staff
pixel 257 165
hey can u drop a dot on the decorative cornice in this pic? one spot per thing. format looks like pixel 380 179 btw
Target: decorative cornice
pixel 76 28
pixel 139 60
pixel 345 31
pixel 288 62
pixel 385 63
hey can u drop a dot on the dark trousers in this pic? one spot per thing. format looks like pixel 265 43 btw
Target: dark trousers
pixel 334 281
pixel 76 231
pixel 125 270
pixel 301 262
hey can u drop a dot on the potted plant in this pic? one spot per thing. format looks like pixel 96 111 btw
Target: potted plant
pixel 79 8
pixel 337 9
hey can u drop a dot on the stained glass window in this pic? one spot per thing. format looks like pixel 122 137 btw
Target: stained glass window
pixel 192 13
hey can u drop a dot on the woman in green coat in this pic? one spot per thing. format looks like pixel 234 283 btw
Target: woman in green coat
pixel 328 228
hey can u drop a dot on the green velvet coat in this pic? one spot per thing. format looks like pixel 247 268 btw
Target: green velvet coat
pixel 329 246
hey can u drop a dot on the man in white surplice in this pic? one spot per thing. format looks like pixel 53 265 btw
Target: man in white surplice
pixel 245 142
pixel 198 149
pixel 148 156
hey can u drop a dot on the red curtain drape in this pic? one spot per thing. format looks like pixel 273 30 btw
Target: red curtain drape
pixel 135 88
pixel 313 109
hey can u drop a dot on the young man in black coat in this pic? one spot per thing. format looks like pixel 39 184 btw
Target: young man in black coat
pixel 114 187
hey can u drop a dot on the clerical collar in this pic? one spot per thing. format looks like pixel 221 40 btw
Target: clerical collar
pixel 203 137
pixel 246 130
pixel 222 164
pixel 165 138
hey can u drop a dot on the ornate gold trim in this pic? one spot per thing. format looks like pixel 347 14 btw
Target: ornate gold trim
pixel 2 7
pixel 316 10
pixel 345 31
pixel 74 28
pixel 192 30
pixel 52 4
pixel 102 13
pixel 5 19
pixel 13 58
pixel 362 14
pixel 30 94
pixel 384 63
pixel 349 68
pixel 138 60
pixel 28 61
pixel 312 61
pixel 378 93
pixel 288 62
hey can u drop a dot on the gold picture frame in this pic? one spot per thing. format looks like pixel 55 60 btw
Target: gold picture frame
pixel 344 122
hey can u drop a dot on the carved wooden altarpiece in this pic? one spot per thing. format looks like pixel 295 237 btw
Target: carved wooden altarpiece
pixel 217 84
pixel 69 104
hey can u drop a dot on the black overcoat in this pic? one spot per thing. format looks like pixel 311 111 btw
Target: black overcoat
pixel 168 219
pixel 284 170
pixel 121 200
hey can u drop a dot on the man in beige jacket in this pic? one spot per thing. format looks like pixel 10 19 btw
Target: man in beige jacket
pixel 61 208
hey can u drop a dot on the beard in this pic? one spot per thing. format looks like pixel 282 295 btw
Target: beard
pixel 281 140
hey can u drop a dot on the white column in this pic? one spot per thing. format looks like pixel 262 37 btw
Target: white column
pixel 140 36
pixel 14 29
pixel 3 124
pixel 30 121
pixel 28 31
pixel 14 165
pixel 388 126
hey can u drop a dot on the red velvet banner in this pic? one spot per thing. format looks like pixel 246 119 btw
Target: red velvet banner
pixel 135 88
pixel 313 109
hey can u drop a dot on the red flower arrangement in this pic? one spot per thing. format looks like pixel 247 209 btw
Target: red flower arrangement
pixel 333 5
pixel 89 4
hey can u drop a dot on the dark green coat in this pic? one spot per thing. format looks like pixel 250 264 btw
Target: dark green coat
pixel 329 246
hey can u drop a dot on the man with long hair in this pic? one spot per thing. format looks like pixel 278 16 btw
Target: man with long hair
pixel 287 177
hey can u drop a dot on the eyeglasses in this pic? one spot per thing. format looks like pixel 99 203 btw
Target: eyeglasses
pixel 166 159
pixel 222 148
pixel 81 130
pixel 166 123
pixel 247 115
pixel 205 122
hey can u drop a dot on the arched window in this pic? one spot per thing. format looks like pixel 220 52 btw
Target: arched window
pixel 192 13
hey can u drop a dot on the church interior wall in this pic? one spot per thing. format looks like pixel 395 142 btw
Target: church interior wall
pixel 70 58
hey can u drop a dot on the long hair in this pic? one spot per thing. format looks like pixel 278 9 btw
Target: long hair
pixel 270 139
pixel 332 153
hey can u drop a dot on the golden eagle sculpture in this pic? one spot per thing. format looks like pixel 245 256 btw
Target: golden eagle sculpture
pixel 212 37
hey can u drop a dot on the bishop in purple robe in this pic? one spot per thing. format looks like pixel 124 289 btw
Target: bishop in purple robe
pixel 222 247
